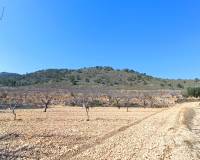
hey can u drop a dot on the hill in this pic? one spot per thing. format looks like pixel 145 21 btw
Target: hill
pixel 92 77
pixel 8 75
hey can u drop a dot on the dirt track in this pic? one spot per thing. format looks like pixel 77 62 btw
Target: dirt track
pixel 169 134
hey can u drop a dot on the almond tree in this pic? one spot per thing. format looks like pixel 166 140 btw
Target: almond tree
pixel 117 101
pixel 83 101
pixel 46 99
pixel 3 98
pixel 85 104
pixel 11 101
pixel 127 102
pixel 12 107
pixel 154 102
pixel 15 101
pixel 144 98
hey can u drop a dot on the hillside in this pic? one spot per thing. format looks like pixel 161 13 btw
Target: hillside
pixel 8 75
pixel 92 77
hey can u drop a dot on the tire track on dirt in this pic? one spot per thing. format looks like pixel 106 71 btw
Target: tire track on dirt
pixel 176 136
pixel 156 135
pixel 183 120
pixel 106 136
pixel 131 144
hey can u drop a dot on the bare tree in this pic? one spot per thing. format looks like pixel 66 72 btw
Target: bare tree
pixel 87 108
pixel 11 101
pixel 3 98
pixel 144 99
pixel 117 101
pixel 15 101
pixel 46 100
pixel 154 102
pixel 85 102
pixel 25 96
pixel 12 107
pixel 82 101
pixel 127 103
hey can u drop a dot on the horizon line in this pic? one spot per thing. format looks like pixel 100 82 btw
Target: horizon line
pixel 114 68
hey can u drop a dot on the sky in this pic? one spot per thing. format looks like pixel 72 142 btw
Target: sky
pixel 157 37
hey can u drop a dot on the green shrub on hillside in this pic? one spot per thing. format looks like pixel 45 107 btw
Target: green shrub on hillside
pixel 180 85
pixel 162 85
pixel 193 92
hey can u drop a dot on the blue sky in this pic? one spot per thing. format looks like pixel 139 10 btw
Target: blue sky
pixel 157 37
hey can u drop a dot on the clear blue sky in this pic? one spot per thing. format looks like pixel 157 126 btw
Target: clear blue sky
pixel 158 37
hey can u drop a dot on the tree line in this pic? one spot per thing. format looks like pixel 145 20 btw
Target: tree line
pixel 14 100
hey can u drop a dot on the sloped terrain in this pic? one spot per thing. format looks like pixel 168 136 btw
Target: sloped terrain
pixel 102 77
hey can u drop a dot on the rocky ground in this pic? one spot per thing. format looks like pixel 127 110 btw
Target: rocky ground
pixel 170 134
pixel 111 133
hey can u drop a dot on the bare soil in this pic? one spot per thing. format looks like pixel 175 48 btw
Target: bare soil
pixel 111 133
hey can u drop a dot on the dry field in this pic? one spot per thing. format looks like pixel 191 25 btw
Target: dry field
pixel 111 133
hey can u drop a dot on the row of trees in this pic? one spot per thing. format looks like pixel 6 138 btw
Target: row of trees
pixel 13 100
pixel 126 101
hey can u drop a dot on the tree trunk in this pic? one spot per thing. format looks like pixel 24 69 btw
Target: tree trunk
pixel 46 106
pixel 127 109
pixel 87 112
pixel 118 105
pixel 13 112
pixel 144 103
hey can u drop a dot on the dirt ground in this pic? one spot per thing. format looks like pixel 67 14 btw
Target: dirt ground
pixel 111 133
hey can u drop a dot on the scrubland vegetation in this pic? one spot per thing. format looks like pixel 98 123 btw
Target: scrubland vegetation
pixel 93 77
pixel 193 92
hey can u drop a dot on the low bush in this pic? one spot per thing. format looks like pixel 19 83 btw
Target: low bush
pixel 193 92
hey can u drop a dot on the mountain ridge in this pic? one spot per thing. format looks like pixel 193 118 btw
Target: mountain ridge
pixel 101 76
